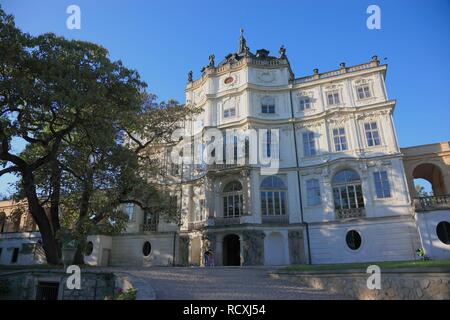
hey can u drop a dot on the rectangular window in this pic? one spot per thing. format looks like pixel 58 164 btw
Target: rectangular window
pixel 268 143
pixel 333 98
pixel 372 135
pixel 229 112
pixel 15 255
pixel 382 186
pixel 309 144
pixel 263 203
pixel 313 192
pixel 268 108
pixel 305 104
pixel 232 205
pixel 340 141
pixel 273 203
pixel 363 92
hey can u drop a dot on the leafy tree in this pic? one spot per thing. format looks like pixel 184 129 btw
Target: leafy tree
pixel 51 88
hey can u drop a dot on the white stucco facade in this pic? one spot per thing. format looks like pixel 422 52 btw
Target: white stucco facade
pixel 339 194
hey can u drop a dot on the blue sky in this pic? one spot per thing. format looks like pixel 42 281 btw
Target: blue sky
pixel 163 40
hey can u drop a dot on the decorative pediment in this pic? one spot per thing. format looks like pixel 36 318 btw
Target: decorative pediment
pixel 332 87
pixel 372 116
pixel 338 120
pixel 362 81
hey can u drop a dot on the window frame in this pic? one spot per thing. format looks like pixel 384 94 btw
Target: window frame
pixel 268 106
pixel 381 180
pixel 370 134
pixel 341 138
pixel 343 189
pixel 313 193
pixel 276 194
pixel 366 94
pixel 233 195
pixel 335 98
pixel 305 103
pixel 309 145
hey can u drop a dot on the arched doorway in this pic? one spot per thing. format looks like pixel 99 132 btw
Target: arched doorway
pixel 231 250
pixel 433 175
pixel 274 251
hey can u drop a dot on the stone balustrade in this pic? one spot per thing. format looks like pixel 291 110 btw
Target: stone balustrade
pixel 350 213
pixel 441 202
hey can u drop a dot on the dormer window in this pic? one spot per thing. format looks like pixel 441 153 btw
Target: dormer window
pixel 268 105
pixel 363 92
pixel 305 103
pixel 333 98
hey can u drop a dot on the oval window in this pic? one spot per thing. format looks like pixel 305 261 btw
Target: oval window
pixel 353 239
pixel 443 231
pixel 147 249
pixel 89 248
pixel 228 80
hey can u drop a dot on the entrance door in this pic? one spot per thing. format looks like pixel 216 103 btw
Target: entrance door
pixel 231 250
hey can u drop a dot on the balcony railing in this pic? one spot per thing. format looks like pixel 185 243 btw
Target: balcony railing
pixel 432 203
pixel 275 219
pixel 350 213
pixel 225 166
pixel 222 221
pixel 147 227
pixel 196 225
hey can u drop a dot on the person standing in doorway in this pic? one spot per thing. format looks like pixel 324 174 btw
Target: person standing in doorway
pixel 206 258
pixel 211 258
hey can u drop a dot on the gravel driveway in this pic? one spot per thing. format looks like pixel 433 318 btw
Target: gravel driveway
pixel 218 283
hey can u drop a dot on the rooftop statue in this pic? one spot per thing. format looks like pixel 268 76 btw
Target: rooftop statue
pixel 243 49
pixel 211 60
pixel 282 52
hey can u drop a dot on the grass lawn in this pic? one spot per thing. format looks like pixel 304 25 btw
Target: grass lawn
pixel 363 266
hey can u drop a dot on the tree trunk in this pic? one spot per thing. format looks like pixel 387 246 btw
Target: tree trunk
pixel 50 245
pixel 54 201
pixel 84 209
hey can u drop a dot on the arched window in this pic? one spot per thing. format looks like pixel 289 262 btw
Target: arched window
pixel 232 199
pixel 347 191
pixel 273 196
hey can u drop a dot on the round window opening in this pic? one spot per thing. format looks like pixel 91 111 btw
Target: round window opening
pixel 443 232
pixel 353 239
pixel 228 80
pixel 89 248
pixel 147 248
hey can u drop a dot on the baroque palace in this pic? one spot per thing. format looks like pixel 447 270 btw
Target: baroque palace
pixel 343 191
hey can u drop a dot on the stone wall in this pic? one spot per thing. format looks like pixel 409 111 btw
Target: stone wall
pixel 395 284
pixel 23 284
